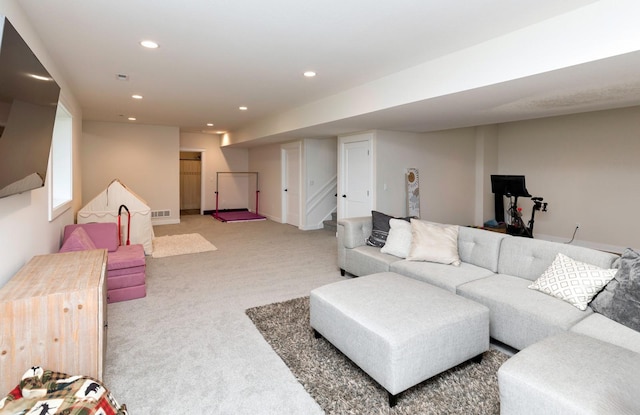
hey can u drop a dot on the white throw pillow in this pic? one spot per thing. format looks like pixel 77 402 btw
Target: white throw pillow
pixel 573 281
pixel 399 239
pixel 434 242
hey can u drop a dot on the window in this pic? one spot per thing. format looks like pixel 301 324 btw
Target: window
pixel 60 164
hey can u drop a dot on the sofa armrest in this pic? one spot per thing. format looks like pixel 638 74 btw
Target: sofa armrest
pixel 353 232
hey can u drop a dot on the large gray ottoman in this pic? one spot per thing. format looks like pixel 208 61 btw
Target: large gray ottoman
pixel 399 330
pixel 570 374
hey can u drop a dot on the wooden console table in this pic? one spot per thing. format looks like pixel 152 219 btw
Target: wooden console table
pixel 53 313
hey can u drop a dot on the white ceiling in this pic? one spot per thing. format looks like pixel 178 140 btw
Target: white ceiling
pixel 216 55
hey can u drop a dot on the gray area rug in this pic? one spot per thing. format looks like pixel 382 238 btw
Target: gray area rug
pixel 340 387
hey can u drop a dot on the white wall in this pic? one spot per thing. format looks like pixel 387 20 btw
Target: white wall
pixel 446 165
pixel 24 228
pixel 267 161
pixel 586 167
pixel 216 159
pixel 146 158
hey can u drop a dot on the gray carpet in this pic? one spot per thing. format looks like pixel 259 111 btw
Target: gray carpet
pixel 189 348
pixel 340 387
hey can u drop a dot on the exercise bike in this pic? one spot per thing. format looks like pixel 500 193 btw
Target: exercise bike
pixel 513 186
pixel 517 227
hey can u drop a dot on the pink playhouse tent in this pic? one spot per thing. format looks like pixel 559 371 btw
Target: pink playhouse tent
pixel 104 208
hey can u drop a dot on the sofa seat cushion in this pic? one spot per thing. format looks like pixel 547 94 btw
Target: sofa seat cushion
pixel 440 275
pixel 126 256
pixel 605 329
pixel 520 316
pixel 126 293
pixel 126 271
pixel 365 260
pixel 570 374
pixel 126 280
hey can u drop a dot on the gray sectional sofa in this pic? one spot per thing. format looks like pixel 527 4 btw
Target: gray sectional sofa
pixel 496 271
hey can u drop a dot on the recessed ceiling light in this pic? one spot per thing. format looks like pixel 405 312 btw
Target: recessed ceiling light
pixel 220 132
pixel 40 77
pixel 309 74
pixel 209 124
pixel 136 96
pixel 131 118
pixel 243 108
pixel 149 44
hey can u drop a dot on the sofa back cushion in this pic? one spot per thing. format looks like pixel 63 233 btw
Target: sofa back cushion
pixel 103 235
pixel 529 258
pixel 479 247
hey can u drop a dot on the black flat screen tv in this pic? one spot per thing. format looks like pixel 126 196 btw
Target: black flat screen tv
pixel 28 103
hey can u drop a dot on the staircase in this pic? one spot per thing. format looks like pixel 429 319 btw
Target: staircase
pixel 331 224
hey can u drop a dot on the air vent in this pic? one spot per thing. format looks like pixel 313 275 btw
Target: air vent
pixel 160 214
pixel 122 77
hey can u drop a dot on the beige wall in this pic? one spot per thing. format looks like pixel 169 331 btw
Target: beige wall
pixel 144 157
pixel 233 192
pixel 446 165
pixel 586 167
pixel 25 230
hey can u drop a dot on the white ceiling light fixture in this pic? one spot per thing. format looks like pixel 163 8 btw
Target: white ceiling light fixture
pixel 309 74
pixel 243 108
pixel 131 118
pixel 149 44
pixel 220 132
pixel 40 77
pixel 209 124
pixel 136 96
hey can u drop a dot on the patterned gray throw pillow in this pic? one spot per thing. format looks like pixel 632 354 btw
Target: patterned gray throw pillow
pixel 620 299
pixel 380 230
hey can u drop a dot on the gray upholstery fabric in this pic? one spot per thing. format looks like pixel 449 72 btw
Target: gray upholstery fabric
pixel 355 231
pixel 570 374
pixel 521 316
pixel 620 299
pixel 440 275
pixel 480 247
pixel 399 330
pixel 365 260
pixel 352 232
pixel 529 258
pixel 605 329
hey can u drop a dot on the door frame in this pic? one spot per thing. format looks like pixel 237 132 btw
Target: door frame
pixel 297 145
pixel 202 173
pixel 369 136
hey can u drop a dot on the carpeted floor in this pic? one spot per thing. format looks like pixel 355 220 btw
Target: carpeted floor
pixel 340 387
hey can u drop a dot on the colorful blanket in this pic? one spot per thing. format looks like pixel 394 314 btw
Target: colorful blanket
pixel 44 392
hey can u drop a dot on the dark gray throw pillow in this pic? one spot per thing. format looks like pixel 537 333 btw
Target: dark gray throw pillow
pixel 380 229
pixel 620 298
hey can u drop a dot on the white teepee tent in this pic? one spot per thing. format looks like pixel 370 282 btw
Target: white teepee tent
pixel 105 207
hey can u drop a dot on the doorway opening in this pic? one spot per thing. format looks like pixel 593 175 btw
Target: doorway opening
pixel 190 182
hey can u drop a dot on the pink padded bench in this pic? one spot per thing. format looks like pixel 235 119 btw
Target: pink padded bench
pixel 126 264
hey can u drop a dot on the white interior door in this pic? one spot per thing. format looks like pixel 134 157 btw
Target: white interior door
pixel 291 184
pixel 355 196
